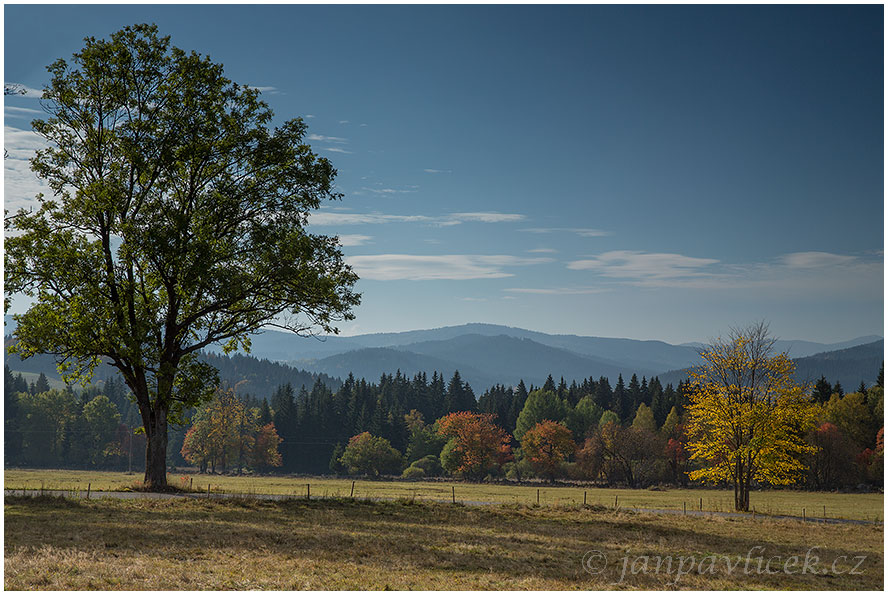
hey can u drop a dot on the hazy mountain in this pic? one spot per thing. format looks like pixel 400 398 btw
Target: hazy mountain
pixel 848 366
pixel 372 362
pixel 259 377
pixel 797 348
pixel 482 361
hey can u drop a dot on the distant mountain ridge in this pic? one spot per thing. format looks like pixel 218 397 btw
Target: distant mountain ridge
pixel 849 366
pixel 488 354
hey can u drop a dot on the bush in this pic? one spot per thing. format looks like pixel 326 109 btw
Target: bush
pixel 413 472
pixel 371 455
pixel 430 464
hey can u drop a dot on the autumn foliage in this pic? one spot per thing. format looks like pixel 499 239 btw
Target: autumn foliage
pixel 747 416
pixel 547 445
pixel 477 443
pixel 226 435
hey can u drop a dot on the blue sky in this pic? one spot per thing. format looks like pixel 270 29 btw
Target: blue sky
pixel 633 171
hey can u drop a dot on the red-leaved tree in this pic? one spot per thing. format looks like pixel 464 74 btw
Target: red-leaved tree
pixel 547 445
pixel 476 444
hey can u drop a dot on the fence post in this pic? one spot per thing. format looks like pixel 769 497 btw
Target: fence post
pixel 208 490
pixel 584 498
pixel 824 511
pixel 615 500
pixel 308 491
pixel 453 493
pixel 684 508
pixel 352 495
pixel 701 504
pixel 191 485
pixel 538 496
pixel 88 486
pixel 804 515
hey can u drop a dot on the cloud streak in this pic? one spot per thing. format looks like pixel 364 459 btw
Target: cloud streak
pixel 354 239
pixel 629 264
pixel 789 275
pixel 586 232
pixel 456 267
pixel 325 217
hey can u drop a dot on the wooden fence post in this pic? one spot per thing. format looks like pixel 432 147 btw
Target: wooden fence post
pixel 538 496
pixel 308 491
pixel 584 498
pixel 88 487
pixel 352 495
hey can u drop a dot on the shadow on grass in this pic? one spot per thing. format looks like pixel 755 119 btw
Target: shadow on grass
pixel 513 541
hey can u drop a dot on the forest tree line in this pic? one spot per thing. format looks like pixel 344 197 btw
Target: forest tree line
pixel 629 433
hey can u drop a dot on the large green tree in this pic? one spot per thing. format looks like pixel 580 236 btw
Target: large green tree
pixel 179 220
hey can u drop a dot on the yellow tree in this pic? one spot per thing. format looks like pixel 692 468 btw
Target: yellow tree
pixel 747 417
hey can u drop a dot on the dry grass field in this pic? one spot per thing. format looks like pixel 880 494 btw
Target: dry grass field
pixel 867 507
pixel 54 543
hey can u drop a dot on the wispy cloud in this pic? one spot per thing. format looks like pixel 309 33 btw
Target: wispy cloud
pixel 558 290
pixel 326 217
pixel 487 217
pixel 438 171
pixel 26 90
pixel 20 112
pixel 309 116
pixel 414 267
pixel 788 275
pixel 810 260
pixel 543 251
pixel 21 185
pixel 336 150
pixel 629 264
pixel 344 122
pixel 268 90
pixel 330 218
pixel 585 232
pixel 405 190
pixel 354 239
pixel 328 139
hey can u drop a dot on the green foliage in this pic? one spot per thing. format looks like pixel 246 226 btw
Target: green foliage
pixel 413 472
pixel 451 459
pixel 608 417
pixel 644 419
pixel 540 405
pixel 100 418
pixel 852 416
pixel 672 421
pixel 583 418
pixel 370 455
pixel 423 439
pixel 178 221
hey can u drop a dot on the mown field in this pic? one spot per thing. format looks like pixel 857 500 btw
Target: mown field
pixel 55 543
pixel 789 502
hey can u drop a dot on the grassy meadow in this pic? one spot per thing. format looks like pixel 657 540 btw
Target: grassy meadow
pixel 55 543
pixel 789 502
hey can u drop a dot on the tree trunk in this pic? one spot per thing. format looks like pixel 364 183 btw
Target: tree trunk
pixel 156 450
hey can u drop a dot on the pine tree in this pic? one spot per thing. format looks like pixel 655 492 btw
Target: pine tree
pixel 822 390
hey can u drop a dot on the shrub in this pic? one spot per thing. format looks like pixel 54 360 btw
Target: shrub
pixel 413 472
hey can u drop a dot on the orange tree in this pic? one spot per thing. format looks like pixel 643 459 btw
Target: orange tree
pixel 747 417
pixel 546 446
pixel 476 445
